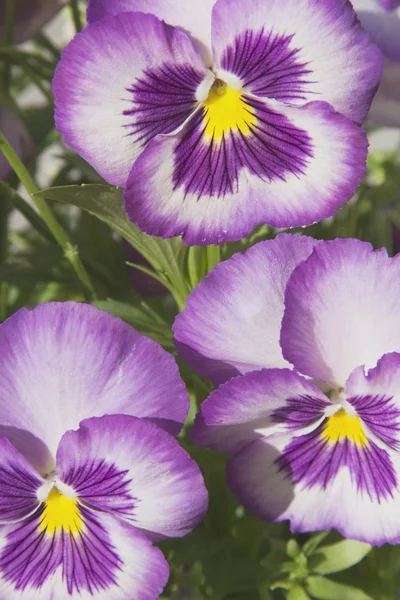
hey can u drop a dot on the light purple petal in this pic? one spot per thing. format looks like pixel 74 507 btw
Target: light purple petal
pixel 385 108
pixel 278 172
pixel 135 471
pixel 390 4
pixel 375 396
pixel 19 483
pixel 258 404
pixel 120 82
pixel 108 559
pixel 192 17
pixel 318 486
pixel 232 320
pixel 384 27
pixel 341 310
pixel 64 362
pixel 321 42
pixel 14 130
pixel 30 17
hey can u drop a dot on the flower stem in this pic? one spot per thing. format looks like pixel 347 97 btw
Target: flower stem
pixel 61 236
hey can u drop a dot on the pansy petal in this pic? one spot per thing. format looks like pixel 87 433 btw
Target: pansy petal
pixel 258 404
pixel 318 486
pixel 385 108
pixel 298 51
pixel 135 471
pixel 120 82
pixel 341 310
pixel 232 320
pixel 384 27
pixel 105 559
pixel 375 396
pixel 64 362
pixel 194 18
pixel 212 184
pixel 19 483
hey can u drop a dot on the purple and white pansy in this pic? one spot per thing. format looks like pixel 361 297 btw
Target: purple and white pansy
pixel 312 331
pixel 217 116
pixel 90 474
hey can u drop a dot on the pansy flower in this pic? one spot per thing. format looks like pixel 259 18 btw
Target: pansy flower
pixel 89 476
pixel 384 27
pixel 216 116
pixel 313 422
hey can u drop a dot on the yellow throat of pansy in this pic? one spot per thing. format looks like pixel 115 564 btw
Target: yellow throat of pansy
pixel 226 111
pixel 341 426
pixel 60 514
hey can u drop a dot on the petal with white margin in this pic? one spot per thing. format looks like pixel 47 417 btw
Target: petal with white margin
pixel 120 82
pixel 135 471
pixel 106 559
pixel 276 170
pixel 258 404
pixel 193 18
pixel 341 310
pixel 301 50
pixel 351 489
pixel 64 362
pixel 232 320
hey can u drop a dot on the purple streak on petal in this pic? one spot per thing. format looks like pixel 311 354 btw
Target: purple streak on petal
pixel 89 560
pixel 299 412
pixel 381 415
pixel 273 149
pixel 107 559
pixel 267 65
pixel 162 99
pixel 102 485
pixel 312 461
pixel 19 483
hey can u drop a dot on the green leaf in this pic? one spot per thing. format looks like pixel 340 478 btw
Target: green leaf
pixel 167 257
pixel 315 540
pixel 323 588
pixel 297 593
pixel 141 317
pixel 338 557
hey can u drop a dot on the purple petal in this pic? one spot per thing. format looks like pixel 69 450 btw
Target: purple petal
pixel 275 168
pixel 105 559
pixel 319 486
pixel 341 310
pixel 375 396
pixel 255 405
pixel 120 82
pixel 299 50
pixel 193 18
pixel 136 471
pixel 384 27
pixel 64 362
pixel 232 320
pixel 19 483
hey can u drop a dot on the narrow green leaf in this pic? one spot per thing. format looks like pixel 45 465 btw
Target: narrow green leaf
pixel 315 540
pixel 338 557
pixel 167 257
pixel 196 264
pixel 323 588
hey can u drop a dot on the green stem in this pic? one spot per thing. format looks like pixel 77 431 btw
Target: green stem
pixel 61 236
pixel 76 14
pixel 46 43
pixel 8 40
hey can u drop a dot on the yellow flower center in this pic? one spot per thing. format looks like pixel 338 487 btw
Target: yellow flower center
pixel 60 514
pixel 226 111
pixel 341 426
